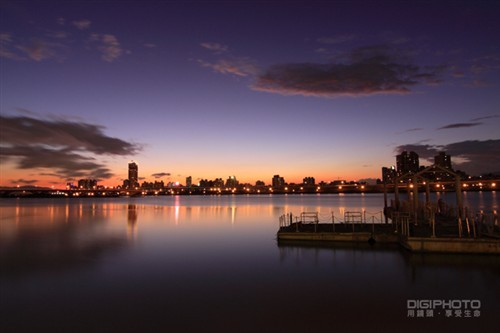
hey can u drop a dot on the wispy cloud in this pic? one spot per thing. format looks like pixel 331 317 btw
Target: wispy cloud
pixel 57 34
pixel 82 24
pixel 64 147
pixel 5 37
pixel 217 48
pixel 160 174
pixel 110 48
pixel 477 157
pixel 23 181
pixel 459 125
pixel 225 63
pixel 394 38
pixel 486 63
pixel 486 117
pixel 413 130
pixel 108 45
pixel 368 71
pixel 55 45
pixel 36 49
pixel 337 39
pixel 235 66
pixel 41 50
pixel 6 47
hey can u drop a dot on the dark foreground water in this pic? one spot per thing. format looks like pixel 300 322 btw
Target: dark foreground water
pixel 212 264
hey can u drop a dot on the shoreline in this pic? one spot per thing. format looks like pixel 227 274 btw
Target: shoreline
pixel 25 192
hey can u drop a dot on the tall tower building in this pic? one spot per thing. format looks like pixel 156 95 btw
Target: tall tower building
pixel 189 181
pixel 389 174
pixel 443 160
pixel 407 163
pixel 133 175
pixel 231 181
pixel 309 181
pixel 278 182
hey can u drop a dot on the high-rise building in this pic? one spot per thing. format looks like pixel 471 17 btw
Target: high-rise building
pixel 218 182
pixel 189 181
pixel 278 182
pixel 309 181
pixel 389 174
pixel 231 181
pixel 407 163
pixel 443 160
pixel 133 175
pixel 87 184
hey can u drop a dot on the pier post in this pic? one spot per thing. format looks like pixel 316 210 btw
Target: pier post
pixel 385 202
pixel 474 226
pixel 415 198
pixel 396 193
pixel 427 194
pixel 433 222
pixel 458 190
pixel 408 191
pixel 460 207
pixel 467 221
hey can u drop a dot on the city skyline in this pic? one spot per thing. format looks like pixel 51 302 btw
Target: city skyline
pixel 407 164
pixel 333 90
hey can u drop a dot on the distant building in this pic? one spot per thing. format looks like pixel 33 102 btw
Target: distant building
pixel 260 183
pixel 189 181
pixel 218 182
pixel 205 183
pixel 443 160
pixel 309 181
pixel 231 181
pixel 157 185
pixel 407 163
pixel 87 184
pixel 278 182
pixel 389 174
pixel 133 175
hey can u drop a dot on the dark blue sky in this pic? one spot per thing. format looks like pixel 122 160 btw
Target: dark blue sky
pixel 330 89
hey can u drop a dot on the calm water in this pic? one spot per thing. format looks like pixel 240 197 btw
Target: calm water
pixel 212 264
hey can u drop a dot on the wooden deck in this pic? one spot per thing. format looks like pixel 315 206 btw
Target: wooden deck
pixel 415 238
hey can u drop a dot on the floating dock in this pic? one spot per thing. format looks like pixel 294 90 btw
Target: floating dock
pixel 441 237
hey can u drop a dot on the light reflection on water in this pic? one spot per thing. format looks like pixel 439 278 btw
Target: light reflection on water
pixel 204 264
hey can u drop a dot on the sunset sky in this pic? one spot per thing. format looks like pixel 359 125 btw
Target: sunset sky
pixel 208 89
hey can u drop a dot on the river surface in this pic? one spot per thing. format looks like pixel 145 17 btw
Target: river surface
pixel 212 264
